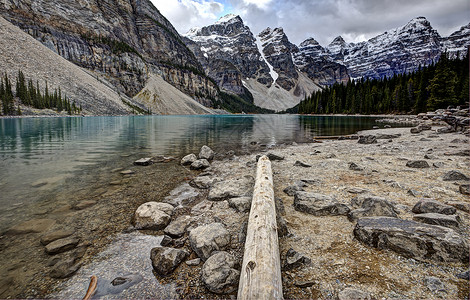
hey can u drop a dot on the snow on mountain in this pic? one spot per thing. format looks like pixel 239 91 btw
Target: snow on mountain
pixel 274 74
pixel 458 42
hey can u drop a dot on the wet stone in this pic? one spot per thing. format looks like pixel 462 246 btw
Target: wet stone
pixel 55 235
pixel 127 172
pixel 65 269
pixel 165 260
pixel 32 226
pixel 143 161
pixel 84 204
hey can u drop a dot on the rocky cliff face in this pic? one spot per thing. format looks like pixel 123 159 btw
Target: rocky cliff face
pixel 458 42
pixel 125 41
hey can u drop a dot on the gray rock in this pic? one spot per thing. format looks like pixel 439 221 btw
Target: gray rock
pixel 219 274
pixel 177 228
pixel 127 172
pixel 424 127
pixel 166 241
pixel 231 188
pixel 188 159
pixel 438 164
pixel 298 163
pixel 451 221
pixel 297 186
pixel 464 189
pixel 271 156
pixel 448 129
pixel 295 259
pixel 353 294
pixel 62 245
pixel 206 153
pixel 206 239
pixel 387 136
pixel 460 205
pixel 372 206
pixel 356 190
pixel 434 284
pixel 193 262
pixel 35 226
pixel 318 204
pixel 432 206
pixel 153 215
pixel 143 161
pixel 354 167
pixel 463 275
pixel 200 164
pixel 412 239
pixel 454 176
pixel 165 260
pixel 304 284
pixel 55 235
pixel 240 204
pixel 419 164
pixel 183 195
pixel 84 204
pixel 367 139
pixel 65 268
pixel 415 130
pixel 203 182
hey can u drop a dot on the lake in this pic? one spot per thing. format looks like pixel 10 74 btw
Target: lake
pixel 49 165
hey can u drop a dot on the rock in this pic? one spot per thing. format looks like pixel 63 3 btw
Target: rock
pixel 62 245
pixel 200 164
pixel 438 164
pixel 304 284
pixel 271 156
pixel 193 262
pixel 209 238
pixel 367 139
pixel 415 130
pixel 297 186
pixel 153 215
pixel 412 239
pixel 353 294
pixel 434 284
pixel 424 127
pixel 231 188
pixel 240 204
pixel 182 195
pixel 387 136
pixel 372 206
pixel 463 275
pixel 282 229
pixel 203 182
pixel 146 161
pixel 64 269
pixel 178 227
pixel 460 205
pixel 298 163
pixel 420 164
pixel 219 274
pixel 165 260
pixel 355 190
pixel 108 287
pixel 55 235
pixel 166 241
pixel 201 207
pixel 451 221
pixel 127 172
pixel 387 126
pixel 188 159
pixel 464 189
pixel 32 226
pixel 295 259
pixel 432 206
pixel 448 129
pixel 206 153
pixel 354 167
pixel 84 204
pixel 318 204
pixel 454 176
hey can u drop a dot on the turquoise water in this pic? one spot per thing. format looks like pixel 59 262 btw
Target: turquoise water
pixel 37 155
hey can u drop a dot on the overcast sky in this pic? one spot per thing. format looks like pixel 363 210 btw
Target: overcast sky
pixel 354 20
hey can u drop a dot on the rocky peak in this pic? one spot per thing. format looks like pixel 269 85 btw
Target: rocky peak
pixel 457 43
pixel 227 26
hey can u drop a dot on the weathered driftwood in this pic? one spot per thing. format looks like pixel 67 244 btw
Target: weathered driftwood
pixel 260 276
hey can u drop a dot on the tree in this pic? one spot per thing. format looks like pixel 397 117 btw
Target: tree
pixel 442 86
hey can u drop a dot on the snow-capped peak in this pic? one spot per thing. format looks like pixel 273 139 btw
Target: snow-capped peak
pixel 192 32
pixel 227 18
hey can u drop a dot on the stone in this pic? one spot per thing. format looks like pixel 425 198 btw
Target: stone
pixel 298 163
pixel 295 259
pixel 271 156
pixel 419 164
pixel 451 221
pixel 166 241
pixel 356 190
pixel 460 205
pixel 354 167
pixel 117 285
pixel 448 129
pixel 304 284
pixel 415 130
pixel 240 204
pixel 231 188
pixel 464 189
pixel 200 164
pixel 372 206
pixel 353 294
pixel 206 239
pixel 318 204
pixel 62 245
pixel 454 176
pixel 177 228
pixel 387 136
pixel 84 204
pixel 463 275
pixel 297 186
pixel 434 284
pixel 182 195
pixel 153 215
pixel 55 235
pixel 432 206
pixel 219 274
pixel 201 207
pixel 127 172
pixel 412 239
pixel 165 260
pixel 203 182
pixel 367 139
pixel 32 226
pixel 65 268
pixel 193 262
pixel 146 161
pixel 424 127
pixel 206 153
pixel 188 159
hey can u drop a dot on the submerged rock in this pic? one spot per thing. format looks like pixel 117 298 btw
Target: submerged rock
pixel 55 235
pixel 219 274
pixel 32 226
pixel 144 161
pixel 165 260
pixel 65 268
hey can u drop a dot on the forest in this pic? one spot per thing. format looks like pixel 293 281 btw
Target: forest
pixel 439 85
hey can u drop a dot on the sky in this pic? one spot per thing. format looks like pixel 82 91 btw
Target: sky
pixel 354 20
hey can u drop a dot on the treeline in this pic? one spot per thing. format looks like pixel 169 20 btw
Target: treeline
pixel 436 86
pixel 29 94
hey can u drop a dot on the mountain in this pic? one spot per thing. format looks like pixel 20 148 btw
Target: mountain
pixel 124 42
pixel 458 42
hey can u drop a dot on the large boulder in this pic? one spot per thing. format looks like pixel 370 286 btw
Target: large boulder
pixel 318 204
pixel 451 221
pixel 240 204
pixel 432 206
pixel 153 215
pixel 177 228
pixel 165 260
pixel 206 153
pixel 206 239
pixel 219 274
pixel 372 206
pixel 231 188
pixel 412 239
